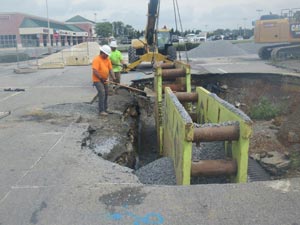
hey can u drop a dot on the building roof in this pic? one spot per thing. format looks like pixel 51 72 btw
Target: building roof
pixel 33 22
pixel 78 19
pixel 74 28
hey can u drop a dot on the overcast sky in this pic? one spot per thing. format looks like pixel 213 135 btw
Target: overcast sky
pixel 195 14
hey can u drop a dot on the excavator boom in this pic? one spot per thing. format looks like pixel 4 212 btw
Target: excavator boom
pixel 153 7
pixel 156 45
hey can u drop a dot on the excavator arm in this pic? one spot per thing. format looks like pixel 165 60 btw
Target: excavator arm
pixel 153 7
pixel 147 50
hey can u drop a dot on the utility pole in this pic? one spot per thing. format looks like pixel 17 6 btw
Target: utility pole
pixel 244 26
pixel 49 38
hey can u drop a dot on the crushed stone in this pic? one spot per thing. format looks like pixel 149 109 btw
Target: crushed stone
pixel 216 49
pixel 159 172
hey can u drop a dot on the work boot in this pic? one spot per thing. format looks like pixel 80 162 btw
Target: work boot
pixel 103 113
pixel 109 111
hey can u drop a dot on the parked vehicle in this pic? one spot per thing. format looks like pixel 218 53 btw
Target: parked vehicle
pixel 175 38
pixel 125 40
pixel 239 38
pixel 190 37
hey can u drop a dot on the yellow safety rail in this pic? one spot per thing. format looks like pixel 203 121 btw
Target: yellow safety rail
pixel 175 128
pixel 177 137
pixel 212 109
pixel 158 88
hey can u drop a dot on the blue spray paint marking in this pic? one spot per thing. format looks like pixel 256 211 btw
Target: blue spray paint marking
pixel 116 216
pixel 149 219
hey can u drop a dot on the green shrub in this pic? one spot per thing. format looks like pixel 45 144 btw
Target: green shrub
pixel 264 110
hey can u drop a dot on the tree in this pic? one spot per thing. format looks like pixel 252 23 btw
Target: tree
pixel 118 28
pixel 103 29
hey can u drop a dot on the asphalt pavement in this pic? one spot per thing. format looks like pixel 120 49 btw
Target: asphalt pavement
pixel 47 178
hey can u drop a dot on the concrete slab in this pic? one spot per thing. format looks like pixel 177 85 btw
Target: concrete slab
pixel 134 204
pixel 25 70
pixel 20 149
pixel 65 163
pixel 51 65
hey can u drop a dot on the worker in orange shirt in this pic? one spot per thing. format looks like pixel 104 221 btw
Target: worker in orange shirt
pixel 102 69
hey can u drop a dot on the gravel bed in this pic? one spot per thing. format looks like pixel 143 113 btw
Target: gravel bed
pixel 208 151
pixel 159 172
pixel 216 49
pixel 85 109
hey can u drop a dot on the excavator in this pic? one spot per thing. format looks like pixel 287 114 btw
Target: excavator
pixel 282 32
pixel 155 46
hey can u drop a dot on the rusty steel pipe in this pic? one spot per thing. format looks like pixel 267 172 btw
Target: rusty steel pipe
pixel 173 73
pixel 193 116
pixel 221 133
pixel 175 87
pixel 187 97
pixel 167 65
pixel 210 168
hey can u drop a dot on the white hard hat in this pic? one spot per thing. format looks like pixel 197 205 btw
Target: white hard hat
pixel 105 49
pixel 113 44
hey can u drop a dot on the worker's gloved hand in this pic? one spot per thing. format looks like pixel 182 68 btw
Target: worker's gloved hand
pixel 124 66
pixel 103 80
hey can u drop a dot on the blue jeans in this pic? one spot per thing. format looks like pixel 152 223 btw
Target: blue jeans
pixel 102 95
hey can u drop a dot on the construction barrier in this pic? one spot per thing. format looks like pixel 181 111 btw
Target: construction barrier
pixel 213 120
pixel 177 136
pixel 175 75
pixel 78 55
pixel 212 109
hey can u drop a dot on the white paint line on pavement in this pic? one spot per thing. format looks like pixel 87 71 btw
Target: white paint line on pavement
pixel 7 97
pixel 220 63
pixel 31 187
pixel 61 86
pixel 35 163
pixel 43 155
pixel 223 71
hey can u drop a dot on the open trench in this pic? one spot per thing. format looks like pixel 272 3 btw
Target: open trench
pixel 272 102
pixel 127 136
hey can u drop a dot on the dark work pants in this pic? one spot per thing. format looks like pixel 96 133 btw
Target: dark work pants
pixel 102 95
pixel 118 77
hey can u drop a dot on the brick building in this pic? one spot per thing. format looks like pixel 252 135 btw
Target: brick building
pixel 23 30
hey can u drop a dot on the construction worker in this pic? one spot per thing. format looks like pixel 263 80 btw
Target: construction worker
pixel 102 69
pixel 117 60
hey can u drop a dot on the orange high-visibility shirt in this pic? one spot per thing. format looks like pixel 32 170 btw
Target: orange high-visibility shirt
pixel 103 66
